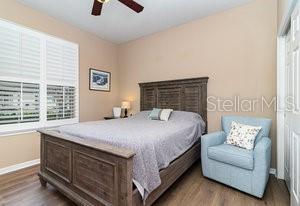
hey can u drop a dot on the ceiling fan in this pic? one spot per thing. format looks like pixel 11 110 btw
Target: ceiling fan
pixel 97 7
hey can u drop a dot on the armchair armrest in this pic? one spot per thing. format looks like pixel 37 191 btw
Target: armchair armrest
pixel 213 139
pixel 262 161
pixel 209 140
pixel 262 153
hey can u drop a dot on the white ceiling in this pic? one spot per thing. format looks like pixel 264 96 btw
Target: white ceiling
pixel 119 24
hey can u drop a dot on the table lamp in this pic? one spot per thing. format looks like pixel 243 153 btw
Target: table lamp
pixel 125 105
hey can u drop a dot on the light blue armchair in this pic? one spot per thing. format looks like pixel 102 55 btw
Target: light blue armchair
pixel 246 170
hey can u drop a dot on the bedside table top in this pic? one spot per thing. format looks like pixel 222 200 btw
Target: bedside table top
pixel 109 118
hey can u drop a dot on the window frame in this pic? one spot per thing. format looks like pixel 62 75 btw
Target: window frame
pixel 17 128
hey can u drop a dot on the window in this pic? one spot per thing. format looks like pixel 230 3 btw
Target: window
pixel 61 102
pixel 38 80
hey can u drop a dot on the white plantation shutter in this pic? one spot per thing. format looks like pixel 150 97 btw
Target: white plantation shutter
pixel 10 102
pixel 30 102
pixel 61 67
pixel 19 102
pixel 20 72
pixel 69 102
pixel 20 54
pixel 9 52
pixel 60 102
pixel 61 63
pixel 30 57
pixel 55 102
pixel 38 79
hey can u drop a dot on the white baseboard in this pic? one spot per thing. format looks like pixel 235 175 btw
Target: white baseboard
pixel 273 171
pixel 20 166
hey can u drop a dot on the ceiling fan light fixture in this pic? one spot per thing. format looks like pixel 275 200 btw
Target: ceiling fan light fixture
pixel 103 1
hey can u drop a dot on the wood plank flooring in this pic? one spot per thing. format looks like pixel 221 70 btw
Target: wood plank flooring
pixel 23 188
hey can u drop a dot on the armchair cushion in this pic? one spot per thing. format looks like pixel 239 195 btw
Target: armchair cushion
pixel 232 155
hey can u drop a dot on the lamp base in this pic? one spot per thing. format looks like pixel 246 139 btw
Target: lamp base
pixel 125 113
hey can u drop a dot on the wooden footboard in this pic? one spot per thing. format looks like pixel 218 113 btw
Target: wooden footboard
pixel 88 174
pixel 99 174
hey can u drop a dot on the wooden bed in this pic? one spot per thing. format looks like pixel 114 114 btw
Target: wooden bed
pixel 100 174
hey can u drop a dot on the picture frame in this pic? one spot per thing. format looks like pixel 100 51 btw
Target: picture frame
pixel 99 80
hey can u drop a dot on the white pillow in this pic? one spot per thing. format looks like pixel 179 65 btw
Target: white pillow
pixel 242 135
pixel 165 114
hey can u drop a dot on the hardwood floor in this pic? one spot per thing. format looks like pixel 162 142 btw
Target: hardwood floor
pixel 192 189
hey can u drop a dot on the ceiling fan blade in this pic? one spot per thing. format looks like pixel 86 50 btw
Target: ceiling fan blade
pixel 97 7
pixel 133 5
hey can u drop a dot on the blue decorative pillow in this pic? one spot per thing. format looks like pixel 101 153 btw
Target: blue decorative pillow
pixel 160 114
pixel 155 114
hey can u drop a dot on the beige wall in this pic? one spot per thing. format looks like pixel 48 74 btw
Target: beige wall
pixel 19 148
pixel 236 49
pixel 94 52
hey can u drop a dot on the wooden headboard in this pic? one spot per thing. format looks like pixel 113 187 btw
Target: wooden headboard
pixel 183 94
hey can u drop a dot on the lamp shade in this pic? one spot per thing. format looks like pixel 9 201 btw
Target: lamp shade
pixel 125 105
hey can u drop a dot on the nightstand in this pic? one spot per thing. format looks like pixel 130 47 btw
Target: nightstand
pixel 109 118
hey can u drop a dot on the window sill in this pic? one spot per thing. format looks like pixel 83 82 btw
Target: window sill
pixel 19 129
pixel 16 133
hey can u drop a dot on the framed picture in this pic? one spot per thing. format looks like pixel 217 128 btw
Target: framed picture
pixel 99 80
